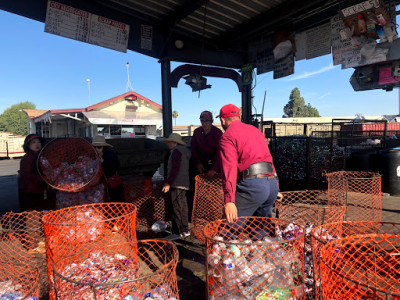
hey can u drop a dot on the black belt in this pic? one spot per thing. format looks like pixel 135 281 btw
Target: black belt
pixel 257 169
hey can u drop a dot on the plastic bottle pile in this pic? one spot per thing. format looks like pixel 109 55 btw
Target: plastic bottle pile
pixel 11 291
pixel 70 176
pixel 93 194
pixel 255 270
pixel 113 277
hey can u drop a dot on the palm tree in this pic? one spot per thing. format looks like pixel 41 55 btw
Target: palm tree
pixel 175 114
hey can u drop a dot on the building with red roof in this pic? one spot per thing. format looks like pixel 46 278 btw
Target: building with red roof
pixel 126 115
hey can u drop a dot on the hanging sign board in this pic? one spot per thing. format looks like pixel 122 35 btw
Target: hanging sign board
pixel 339 45
pixel 247 77
pixel 318 41
pixel 146 37
pixel 265 62
pixel 284 67
pixel 359 8
pixel 300 40
pixel 83 26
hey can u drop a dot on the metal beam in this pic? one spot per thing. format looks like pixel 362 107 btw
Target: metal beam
pixel 166 96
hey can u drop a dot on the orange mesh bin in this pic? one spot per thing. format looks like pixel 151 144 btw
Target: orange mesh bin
pixel 361 267
pixel 255 258
pixel 139 270
pixel 152 204
pixel 309 209
pixel 22 243
pixel 69 164
pixel 80 229
pixel 323 234
pixel 208 204
pixel 18 281
pixel 359 191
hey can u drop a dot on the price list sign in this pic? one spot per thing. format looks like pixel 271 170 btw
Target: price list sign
pixel 83 26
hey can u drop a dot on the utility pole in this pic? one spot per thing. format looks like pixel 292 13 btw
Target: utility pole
pixel 88 82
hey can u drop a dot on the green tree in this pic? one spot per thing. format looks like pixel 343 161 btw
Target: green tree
pixel 14 119
pixel 175 115
pixel 296 107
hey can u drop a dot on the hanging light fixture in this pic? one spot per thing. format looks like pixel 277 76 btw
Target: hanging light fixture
pixel 197 82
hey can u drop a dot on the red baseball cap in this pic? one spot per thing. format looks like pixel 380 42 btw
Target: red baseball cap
pixel 229 110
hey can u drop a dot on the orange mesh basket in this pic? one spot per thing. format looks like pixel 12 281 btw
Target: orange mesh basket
pixel 361 267
pixel 80 229
pixel 151 203
pixel 139 270
pixel 323 234
pixel 309 208
pixel 208 204
pixel 69 164
pixel 359 191
pixel 18 281
pixel 22 243
pixel 255 258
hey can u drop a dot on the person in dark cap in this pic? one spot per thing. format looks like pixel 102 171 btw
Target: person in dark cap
pixel 204 145
pixel 31 185
pixel 110 165
pixel 248 174
pixel 177 183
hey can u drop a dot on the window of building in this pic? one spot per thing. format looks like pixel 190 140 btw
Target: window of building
pixel 139 130
pixel 103 130
pixel 46 130
pixel 115 130
pixel 127 131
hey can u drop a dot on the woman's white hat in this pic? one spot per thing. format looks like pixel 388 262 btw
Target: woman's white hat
pixel 175 137
pixel 100 140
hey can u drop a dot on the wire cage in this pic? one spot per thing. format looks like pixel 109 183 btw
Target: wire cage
pixel 359 191
pixel 151 203
pixel 80 229
pixel 69 164
pixel 138 270
pixel 208 204
pixel 22 242
pixel 18 281
pixel 255 258
pixel 308 208
pixel 361 267
pixel 325 233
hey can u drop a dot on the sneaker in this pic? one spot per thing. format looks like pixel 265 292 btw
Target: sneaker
pixel 173 237
pixel 185 234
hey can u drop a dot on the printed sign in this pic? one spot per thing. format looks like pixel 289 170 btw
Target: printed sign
pixel 338 44
pixel 265 62
pixel 146 37
pixel 358 8
pixel 284 67
pixel 318 41
pixel 386 77
pixel 83 26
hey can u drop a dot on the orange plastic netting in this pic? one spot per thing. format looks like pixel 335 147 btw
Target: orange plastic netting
pixel 208 204
pixel 359 191
pixel 323 234
pixel 22 243
pixel 151 203
pixel 18 281
pixel 80 229
pixel 69 164
pixel 138 270
pixel 361 267
pixel 255 258
pixel 308 208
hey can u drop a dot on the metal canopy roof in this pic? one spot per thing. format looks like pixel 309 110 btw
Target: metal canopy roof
pixel 225 33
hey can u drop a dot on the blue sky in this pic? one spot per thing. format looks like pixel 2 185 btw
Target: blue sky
pixel 51 71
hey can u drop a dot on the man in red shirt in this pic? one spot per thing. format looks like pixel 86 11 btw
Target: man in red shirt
pixel 248 175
